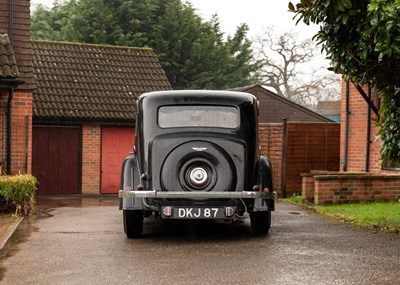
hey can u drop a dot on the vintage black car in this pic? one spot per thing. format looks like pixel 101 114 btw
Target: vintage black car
pixel 196 156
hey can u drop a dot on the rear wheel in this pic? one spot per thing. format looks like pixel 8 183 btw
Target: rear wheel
pixel 260 222
pixel 133 223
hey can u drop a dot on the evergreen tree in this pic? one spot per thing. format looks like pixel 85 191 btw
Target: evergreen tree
pixel 192 51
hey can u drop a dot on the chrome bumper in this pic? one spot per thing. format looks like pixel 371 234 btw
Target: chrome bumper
pixel 196 195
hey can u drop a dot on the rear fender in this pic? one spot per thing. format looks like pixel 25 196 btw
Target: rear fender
pixel 129 181
pixel 264 181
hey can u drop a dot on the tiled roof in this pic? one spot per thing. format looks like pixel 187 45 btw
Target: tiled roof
pixel 274 107
pixel 20 39
pixel 8 65
pixel 92 82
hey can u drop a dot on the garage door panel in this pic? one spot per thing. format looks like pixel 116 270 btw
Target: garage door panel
pixel 56 159
pixel 116 144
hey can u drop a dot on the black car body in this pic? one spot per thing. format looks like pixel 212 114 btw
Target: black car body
pixel 196 156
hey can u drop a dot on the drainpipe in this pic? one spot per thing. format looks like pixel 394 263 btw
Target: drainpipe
pixel 11 21
pixel 368 145
pixel 10 90
pixel 4 137
pixel 10 96
pixel 346 130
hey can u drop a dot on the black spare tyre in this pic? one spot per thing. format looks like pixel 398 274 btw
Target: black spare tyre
pixel 198 166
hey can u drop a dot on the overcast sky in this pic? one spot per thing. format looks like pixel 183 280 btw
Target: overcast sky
pixel 258 14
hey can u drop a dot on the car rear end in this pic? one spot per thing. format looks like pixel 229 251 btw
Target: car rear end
pixel 197 157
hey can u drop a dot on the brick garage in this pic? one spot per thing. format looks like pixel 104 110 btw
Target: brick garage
pixel 91 88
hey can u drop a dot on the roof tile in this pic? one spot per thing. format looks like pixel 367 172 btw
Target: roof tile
pixel 92 82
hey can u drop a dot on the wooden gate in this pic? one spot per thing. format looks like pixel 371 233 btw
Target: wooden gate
pixel 116 143
pixel 56 159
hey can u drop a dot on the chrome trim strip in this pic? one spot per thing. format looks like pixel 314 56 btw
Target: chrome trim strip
pixel 188 195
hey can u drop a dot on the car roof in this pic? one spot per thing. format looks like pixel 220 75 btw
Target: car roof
pixel 198 97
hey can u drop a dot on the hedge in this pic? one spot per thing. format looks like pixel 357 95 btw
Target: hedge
pixel 19 191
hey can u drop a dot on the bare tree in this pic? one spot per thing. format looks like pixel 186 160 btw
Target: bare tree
pixel 294 70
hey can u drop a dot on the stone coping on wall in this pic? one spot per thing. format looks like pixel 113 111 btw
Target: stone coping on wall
pixel 331 175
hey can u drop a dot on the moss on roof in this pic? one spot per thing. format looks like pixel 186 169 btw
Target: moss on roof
pixel 78 81
pixel 8 64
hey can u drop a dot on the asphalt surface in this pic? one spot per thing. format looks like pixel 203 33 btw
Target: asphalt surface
pixel 82 242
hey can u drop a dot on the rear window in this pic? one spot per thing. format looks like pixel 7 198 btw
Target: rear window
pixel 198 116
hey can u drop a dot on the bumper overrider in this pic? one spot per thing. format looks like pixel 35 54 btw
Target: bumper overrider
pixel 139 200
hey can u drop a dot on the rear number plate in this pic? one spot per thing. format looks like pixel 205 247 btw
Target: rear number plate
pixel 199 213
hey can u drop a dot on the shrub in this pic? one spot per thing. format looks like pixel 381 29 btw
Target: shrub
pixel 19 191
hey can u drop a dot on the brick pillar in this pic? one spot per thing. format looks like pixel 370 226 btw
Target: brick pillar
pixel 91 152
pixel 307 188
pixel 324 191
pixel 21 132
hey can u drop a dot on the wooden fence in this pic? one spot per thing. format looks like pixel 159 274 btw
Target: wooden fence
pixel 299 147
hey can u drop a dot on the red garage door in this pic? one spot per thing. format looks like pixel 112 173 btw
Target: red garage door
pixel 116 143
pixel 56 159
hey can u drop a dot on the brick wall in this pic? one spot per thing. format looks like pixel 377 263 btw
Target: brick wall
pixel 21 131
pixel 357 134
pixel 91 152
pixel 343 188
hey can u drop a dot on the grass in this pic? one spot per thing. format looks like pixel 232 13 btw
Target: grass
pixel 380 215
pixel 294 199
pixel 384 216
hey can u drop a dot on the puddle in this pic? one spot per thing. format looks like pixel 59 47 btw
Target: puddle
pixel 22 234
pixel 45 207
pixel 75 201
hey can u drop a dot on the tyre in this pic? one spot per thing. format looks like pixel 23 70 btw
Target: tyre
pixel 260 222
pixel 133 223
pixel 186 169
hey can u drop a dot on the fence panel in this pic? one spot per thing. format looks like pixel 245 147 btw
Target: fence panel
pixel 299 147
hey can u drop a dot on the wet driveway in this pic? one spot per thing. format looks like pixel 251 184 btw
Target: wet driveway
pixel 79 241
